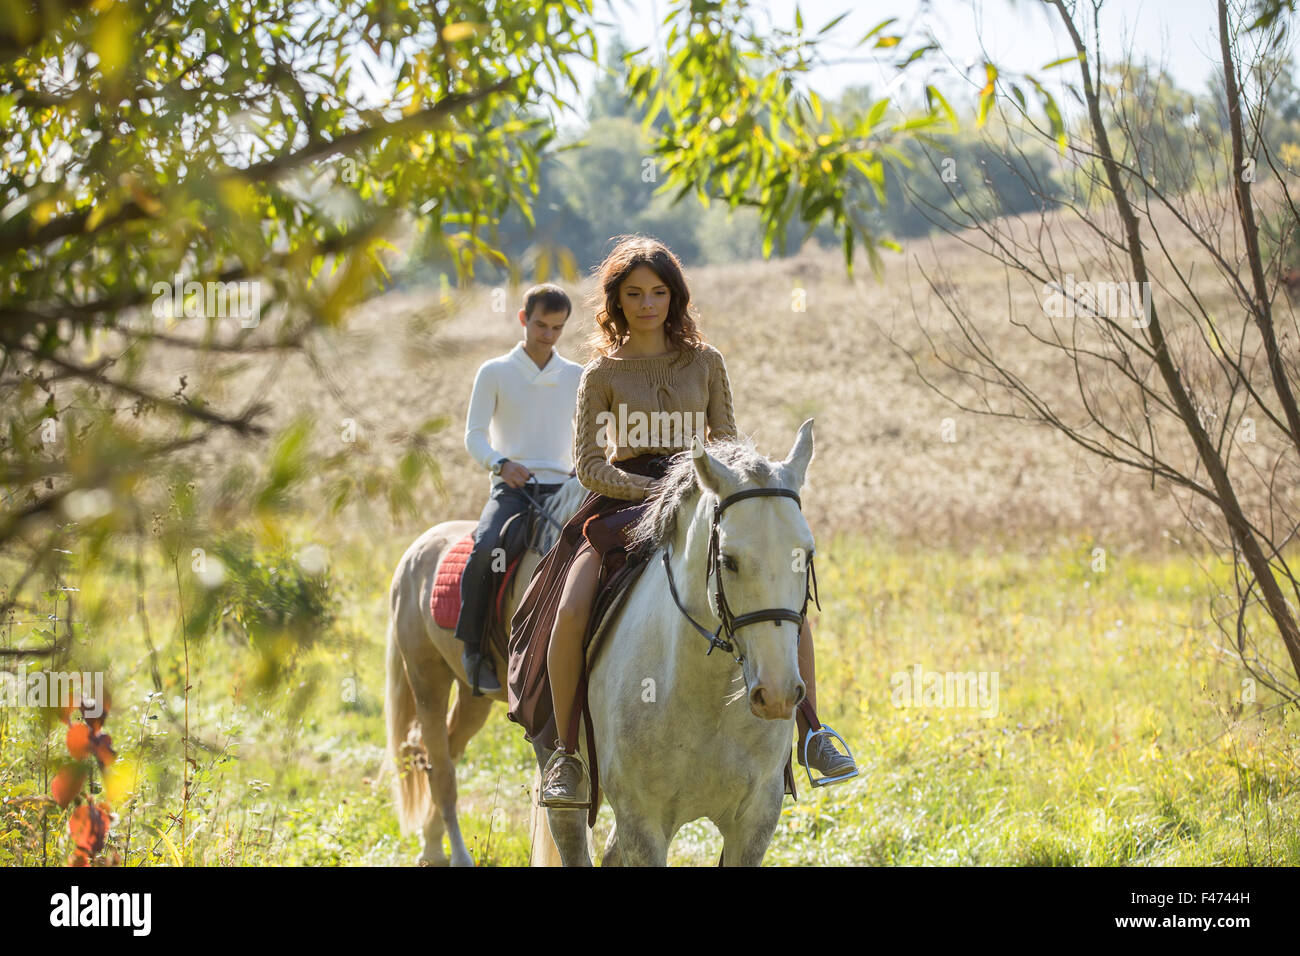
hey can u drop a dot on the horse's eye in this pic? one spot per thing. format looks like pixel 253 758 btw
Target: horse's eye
pixel 729 562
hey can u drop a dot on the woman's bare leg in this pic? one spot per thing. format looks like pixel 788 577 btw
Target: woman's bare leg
pixel 807 671
pixel 564 655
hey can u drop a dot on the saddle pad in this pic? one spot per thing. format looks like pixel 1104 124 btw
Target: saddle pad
pixel 446 585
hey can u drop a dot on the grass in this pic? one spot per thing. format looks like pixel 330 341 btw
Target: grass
pixel 1118 739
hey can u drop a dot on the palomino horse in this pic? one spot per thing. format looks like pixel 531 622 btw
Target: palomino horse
pixel 676 738
pixel 423 662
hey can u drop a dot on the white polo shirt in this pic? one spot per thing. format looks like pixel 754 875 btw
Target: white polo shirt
pixel 524 413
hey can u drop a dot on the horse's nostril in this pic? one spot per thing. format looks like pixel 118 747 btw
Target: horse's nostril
pixel 756 698
pixel 799 694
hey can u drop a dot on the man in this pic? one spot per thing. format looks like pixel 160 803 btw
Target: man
pixel 520 424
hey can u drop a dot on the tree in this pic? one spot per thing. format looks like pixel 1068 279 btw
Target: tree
pixel 222 179
pixel 1157 291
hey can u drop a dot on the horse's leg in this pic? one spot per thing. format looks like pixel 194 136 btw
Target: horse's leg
pixel 567 828
pixel 571 835
pixel 433 854
pixel 639 841
pixel 468 714
pixel 745 840
pixel 431 682
pixel 411 795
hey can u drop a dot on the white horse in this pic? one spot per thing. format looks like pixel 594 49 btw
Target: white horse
pixel 423 662
pixel 676 738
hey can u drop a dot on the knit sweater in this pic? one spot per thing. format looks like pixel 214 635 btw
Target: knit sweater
pixel 637 406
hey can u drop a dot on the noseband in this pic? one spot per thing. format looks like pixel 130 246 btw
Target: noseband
pixel 729 622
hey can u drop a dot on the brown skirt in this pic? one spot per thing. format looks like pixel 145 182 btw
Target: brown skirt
pixel 599 524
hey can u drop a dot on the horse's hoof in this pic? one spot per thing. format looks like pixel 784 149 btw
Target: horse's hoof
pixel 462 861
pixel 440 861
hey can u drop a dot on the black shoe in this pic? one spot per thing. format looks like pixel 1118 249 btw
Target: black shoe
pixel 481 672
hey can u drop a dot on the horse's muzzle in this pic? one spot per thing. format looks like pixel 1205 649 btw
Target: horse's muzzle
pixel 770 705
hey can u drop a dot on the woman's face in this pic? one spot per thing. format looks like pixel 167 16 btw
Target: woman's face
pixel 644 298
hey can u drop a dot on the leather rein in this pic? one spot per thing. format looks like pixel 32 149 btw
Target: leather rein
pixel 730 622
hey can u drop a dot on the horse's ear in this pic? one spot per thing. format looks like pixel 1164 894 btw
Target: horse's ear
pixel 801 454
pixel 712 474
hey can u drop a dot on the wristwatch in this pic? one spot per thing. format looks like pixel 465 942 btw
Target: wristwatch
pixel 496 469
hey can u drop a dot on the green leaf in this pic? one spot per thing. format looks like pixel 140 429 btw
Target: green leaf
pixel 1064 60
pixel 832 23
pixel 876 29
pixel 877 111
pixel 916 55
pixel 1053 113
pixel 932 93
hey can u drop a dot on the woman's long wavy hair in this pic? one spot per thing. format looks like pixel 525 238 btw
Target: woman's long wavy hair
pixel 611 331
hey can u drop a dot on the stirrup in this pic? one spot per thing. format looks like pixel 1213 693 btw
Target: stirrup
pixel 827 781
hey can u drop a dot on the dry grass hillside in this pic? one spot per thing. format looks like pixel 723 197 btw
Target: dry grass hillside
pixel 882 465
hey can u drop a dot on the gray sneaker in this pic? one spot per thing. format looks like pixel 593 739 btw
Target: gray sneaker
pixel 564 783
pixel 825 759
pixel 486 682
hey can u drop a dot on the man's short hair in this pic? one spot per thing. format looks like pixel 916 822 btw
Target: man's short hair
pixel 550 297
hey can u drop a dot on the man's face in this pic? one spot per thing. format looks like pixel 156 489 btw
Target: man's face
pixel 543 328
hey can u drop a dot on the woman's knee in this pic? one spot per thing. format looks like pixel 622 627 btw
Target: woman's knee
pixel 579 589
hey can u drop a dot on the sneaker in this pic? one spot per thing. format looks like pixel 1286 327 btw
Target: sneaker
pixel 825 759
pixel 564 783
pixel 481 672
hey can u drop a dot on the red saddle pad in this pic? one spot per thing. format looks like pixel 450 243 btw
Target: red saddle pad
pixel 446 585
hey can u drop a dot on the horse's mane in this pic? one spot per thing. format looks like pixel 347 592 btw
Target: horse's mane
pixel 561 507
pixel 677 489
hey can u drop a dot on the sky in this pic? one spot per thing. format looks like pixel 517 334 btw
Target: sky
pixel 1019 35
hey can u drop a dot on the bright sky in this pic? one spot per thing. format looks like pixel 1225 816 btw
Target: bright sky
pixel 1015 34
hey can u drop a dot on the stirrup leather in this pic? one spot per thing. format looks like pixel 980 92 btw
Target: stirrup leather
pixel 827 781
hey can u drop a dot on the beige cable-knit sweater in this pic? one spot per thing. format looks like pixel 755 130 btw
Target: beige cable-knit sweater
pixel 647 406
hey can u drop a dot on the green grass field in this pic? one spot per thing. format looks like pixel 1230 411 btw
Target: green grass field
pixel 1120 737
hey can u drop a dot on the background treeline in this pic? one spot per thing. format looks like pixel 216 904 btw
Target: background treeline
pixel 601 181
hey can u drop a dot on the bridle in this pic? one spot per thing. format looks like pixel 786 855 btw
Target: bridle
pixel 730 622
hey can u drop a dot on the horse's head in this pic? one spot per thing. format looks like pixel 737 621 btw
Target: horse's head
pixel 762 554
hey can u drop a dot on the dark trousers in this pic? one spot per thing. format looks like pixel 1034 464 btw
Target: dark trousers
pixel 476 582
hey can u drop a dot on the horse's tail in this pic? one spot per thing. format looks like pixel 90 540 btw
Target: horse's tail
pixel 405 748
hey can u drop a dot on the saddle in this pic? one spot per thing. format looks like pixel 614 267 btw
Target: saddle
pixel 515 539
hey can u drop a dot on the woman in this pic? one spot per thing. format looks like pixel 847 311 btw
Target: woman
pixel 651 358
